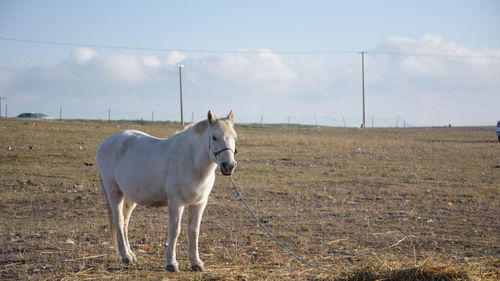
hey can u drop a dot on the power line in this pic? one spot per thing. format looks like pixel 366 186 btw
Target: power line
pixel 105 46
pixel 434 55
pixel 136 48
pixel 73 44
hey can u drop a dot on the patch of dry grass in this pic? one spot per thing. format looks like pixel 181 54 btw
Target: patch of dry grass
pixel 380 204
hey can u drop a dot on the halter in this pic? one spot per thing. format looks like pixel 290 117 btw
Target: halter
pixel 222 150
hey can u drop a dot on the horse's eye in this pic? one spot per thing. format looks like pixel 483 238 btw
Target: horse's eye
pixel 214 138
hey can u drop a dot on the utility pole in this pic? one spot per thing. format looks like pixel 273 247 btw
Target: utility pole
pixel 2 98
pixel 180 89
pixel 60 113
pixel 363 82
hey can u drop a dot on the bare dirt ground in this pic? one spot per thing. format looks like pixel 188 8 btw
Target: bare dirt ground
pixel 382 204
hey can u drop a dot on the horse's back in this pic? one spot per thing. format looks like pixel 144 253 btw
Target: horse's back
pixel 117 144
pixel 130 159
pixel 125 146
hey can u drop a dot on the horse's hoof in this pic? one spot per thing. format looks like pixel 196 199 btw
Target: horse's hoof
pixel 134 258
pixel 196 267
pixel 172 268
pixel 129 259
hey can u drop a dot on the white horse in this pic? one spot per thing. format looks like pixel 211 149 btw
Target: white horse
pixel 136 168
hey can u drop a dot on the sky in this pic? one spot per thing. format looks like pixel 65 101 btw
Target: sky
pixel 428 63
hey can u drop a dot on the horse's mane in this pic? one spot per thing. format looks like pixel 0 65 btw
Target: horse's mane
pixel 201 126
pixel 198 127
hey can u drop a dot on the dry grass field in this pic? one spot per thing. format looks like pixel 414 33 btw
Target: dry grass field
pixel 381 204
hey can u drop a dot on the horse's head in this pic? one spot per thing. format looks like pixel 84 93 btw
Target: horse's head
pixel 222 142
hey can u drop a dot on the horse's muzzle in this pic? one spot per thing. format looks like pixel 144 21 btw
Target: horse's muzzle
pixel 227 168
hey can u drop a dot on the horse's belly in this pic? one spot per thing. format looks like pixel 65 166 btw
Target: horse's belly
pixel 144 195
pixel 153 203
pixel 144 192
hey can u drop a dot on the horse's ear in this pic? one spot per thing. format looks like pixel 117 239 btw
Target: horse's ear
pixel 230 117
pixel 210 117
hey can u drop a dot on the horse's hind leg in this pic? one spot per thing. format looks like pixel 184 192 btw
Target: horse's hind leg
pixel 116 202
pixel 128 207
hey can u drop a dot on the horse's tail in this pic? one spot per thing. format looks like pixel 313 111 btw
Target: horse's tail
pixel 110 213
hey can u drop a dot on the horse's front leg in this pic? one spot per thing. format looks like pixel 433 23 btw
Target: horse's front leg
pixel 174 228
pixel 194 219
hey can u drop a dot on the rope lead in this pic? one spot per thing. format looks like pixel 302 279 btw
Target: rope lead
pixel 238 194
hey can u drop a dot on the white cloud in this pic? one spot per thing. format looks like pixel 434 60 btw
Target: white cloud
pixel 434 81
pixel 151 61
pixel 174 58
pixel 264 66
pixel 127 68
pixel 423 89
pixel 273 66
pixel 83 55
